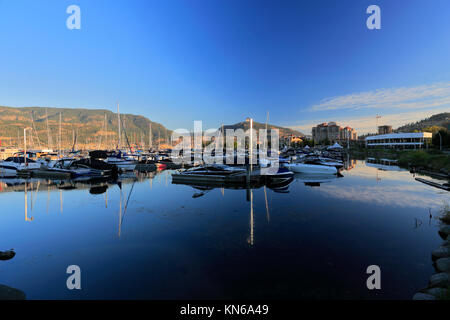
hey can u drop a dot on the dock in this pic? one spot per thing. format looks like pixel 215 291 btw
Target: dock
pixel 434 184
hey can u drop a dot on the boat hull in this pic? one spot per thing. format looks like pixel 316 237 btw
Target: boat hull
pixel 8 172
pixel 311 168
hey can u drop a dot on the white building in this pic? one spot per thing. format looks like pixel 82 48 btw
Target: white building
pixel 400 140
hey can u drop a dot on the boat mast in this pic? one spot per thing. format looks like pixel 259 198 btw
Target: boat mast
pixel 118 121
pixel 251 145
pixel 150 135
pixel 35 131
pixel 60 134
pixel 49 139
pixel 106 132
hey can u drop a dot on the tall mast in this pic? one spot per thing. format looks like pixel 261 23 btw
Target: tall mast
pixel 35 131
pixel 118 121
pixel 106 133
pixel 49 139
pixel 150 135
pixel 60 134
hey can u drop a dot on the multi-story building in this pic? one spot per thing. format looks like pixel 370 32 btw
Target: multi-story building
pixel 384 129
pixel 400 140
pixel 332 132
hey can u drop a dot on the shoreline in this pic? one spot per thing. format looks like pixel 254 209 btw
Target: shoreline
pixel 431 161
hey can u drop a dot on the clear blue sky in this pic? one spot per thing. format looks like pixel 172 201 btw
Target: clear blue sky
pixel 221 61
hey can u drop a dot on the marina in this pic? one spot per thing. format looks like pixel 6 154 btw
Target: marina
pixel 225 159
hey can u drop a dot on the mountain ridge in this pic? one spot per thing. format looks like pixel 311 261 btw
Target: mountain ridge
pixel 87 124
pixel 245 125
pixel 436 120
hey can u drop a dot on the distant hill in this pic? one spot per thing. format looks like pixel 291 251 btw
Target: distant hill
pixel 441 120
pixel 87 124
pixel 245 125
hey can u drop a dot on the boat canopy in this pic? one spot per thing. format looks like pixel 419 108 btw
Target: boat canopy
pixel 335 146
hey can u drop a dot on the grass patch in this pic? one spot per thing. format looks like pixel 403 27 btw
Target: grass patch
pixel 427 159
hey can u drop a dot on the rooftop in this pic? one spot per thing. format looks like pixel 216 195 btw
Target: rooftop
pixel 402 135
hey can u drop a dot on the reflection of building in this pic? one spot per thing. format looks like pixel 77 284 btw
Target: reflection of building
pixel 350 164
pixel 397 140
pixel 384 129
pixel 332 132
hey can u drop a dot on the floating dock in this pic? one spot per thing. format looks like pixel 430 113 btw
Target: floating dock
pixel 435 184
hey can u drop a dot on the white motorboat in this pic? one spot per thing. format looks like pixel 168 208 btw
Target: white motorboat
pixel 12 165
pixel 123 164
pixel 311 168
pixel 7 171
pixel 122 161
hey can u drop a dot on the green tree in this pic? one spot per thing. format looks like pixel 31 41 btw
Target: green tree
pixel 445 138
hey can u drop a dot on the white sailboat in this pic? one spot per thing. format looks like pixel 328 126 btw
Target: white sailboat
pixel 119 159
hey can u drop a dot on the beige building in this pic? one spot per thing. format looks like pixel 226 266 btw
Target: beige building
pixel 384 129
pixel 332 132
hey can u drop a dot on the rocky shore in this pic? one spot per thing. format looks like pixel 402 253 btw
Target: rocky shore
pixel 439 284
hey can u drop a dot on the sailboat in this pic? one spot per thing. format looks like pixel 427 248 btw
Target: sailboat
pixel 121 160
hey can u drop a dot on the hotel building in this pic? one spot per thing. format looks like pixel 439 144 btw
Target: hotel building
pixel 332 132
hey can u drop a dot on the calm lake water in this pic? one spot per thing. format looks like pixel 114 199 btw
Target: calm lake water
pixel 151 239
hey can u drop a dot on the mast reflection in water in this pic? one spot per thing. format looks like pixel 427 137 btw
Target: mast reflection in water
pixel 144 237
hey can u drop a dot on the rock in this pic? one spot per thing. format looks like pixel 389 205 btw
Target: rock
pixel 6 255
pixel 441 252
pixel 444 231
pixel 423 296
pixel 446 242
pixel 440 280
pixel 8 293
pixel 443 264
pixel 439 293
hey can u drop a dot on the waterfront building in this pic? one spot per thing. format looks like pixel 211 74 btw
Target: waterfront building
pixel 332 132
pixel 400 140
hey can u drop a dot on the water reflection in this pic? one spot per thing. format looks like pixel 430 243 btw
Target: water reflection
pixel 151 234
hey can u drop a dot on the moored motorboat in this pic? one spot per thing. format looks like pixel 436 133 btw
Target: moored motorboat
pixel 214 172
pixel 12 166
pixel 281 177
pixel 122 162
pixel 310 168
